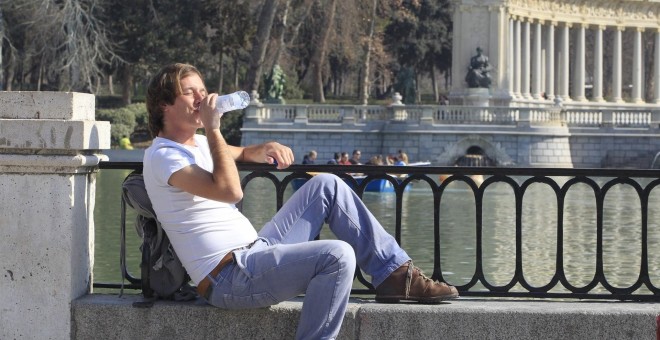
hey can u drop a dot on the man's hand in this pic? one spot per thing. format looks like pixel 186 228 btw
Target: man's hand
pixel 208 113
pixel 279 154
pixel 269 152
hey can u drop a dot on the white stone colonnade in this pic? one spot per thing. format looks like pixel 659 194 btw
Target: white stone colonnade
pixel 547 50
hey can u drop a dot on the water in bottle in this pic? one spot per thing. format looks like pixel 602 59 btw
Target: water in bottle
pixel 233 101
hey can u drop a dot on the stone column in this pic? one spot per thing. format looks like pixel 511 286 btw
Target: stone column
pixel 598 65
pixel 616 67
pixel 564 71
pixel 550 62
pixel 49 144
pixel 517 56
pixel 511 58
pixel 656 68
pixel 579 75
pixel 637 66
pixel 526 59
pixel 537 72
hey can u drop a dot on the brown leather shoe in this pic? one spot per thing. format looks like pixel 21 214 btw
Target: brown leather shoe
pixel 408 283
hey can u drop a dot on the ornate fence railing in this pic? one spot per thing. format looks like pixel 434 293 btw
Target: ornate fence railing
pixel 602 246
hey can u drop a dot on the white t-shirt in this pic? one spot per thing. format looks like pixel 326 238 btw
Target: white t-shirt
pixel 202 231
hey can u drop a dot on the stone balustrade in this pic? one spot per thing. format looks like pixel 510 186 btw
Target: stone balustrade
pixel 454 115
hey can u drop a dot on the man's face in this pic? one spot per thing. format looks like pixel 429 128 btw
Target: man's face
pixel 185 110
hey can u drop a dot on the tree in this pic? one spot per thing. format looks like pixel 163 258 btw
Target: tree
pixel 364 86
pixel 318 57
pixel 261 39
pixel 63 44
pixel 420 35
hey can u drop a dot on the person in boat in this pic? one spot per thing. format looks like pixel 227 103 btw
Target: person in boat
pixel 397 161
pixel 376 160
pixel 355 159
pixel 194 184
pixel 335 159
pixel 344 159
pixel 310 158
pixel 403 157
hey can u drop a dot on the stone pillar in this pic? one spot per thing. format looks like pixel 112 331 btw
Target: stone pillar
pixel 616 65
pixel 526 59
pixel 579 75
pixel 656 68
pixel 301 115
pixel 49 144
pixel 537 72
pixel 511 58
pixel 517 61
pixel 637 66
pixel 253 111
pixel 397 109
pixel 564 71
pixel 598 65
pixel 550 62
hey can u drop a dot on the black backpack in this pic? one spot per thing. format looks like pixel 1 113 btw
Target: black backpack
pixel 162 274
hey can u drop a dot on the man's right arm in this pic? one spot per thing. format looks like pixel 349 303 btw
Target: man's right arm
pixel 224 183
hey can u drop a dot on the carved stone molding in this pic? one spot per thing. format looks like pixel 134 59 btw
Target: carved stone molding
pixel 638 13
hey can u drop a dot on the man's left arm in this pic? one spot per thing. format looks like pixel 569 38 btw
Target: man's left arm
pixel 269 152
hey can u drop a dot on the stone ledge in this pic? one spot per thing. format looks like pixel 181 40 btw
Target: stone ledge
pixel 54 134
pixel 111 317
pixel 47 105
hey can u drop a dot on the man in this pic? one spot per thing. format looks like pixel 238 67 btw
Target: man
pixel 355 159
pixel 193 183
pixel 310 158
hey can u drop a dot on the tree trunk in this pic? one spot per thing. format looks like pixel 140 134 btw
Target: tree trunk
pixel 11 69
pixel 111 87
pixel 127 81
pixel 260 44
pixel 364 89
pixel 434 84
pixel 221 71
pixel 280 44
pixel 2 38
pixel 318 58
pixel 236 72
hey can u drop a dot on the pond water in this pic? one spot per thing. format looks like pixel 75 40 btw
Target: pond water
pixel 621 230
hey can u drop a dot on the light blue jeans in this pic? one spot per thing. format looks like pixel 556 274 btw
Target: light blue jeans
pixel 283 263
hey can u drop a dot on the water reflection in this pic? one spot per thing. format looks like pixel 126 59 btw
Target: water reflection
pixel 458 258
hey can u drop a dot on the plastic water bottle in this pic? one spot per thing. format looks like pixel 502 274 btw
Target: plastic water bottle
pixel 233 101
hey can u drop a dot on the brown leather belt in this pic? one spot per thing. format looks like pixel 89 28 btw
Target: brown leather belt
pixel 203 285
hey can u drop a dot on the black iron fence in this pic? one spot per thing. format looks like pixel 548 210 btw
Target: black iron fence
pixel 560 181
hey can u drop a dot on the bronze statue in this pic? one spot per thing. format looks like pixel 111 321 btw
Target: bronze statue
pixel 478 71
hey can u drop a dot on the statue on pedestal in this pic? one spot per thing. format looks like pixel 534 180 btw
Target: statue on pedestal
pixel 478 72
pixel 274 84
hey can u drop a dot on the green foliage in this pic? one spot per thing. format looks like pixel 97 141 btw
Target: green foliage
pixel 231 127
pixel 419 34
pixel 124 120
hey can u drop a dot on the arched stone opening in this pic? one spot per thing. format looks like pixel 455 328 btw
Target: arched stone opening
pixel 474 151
